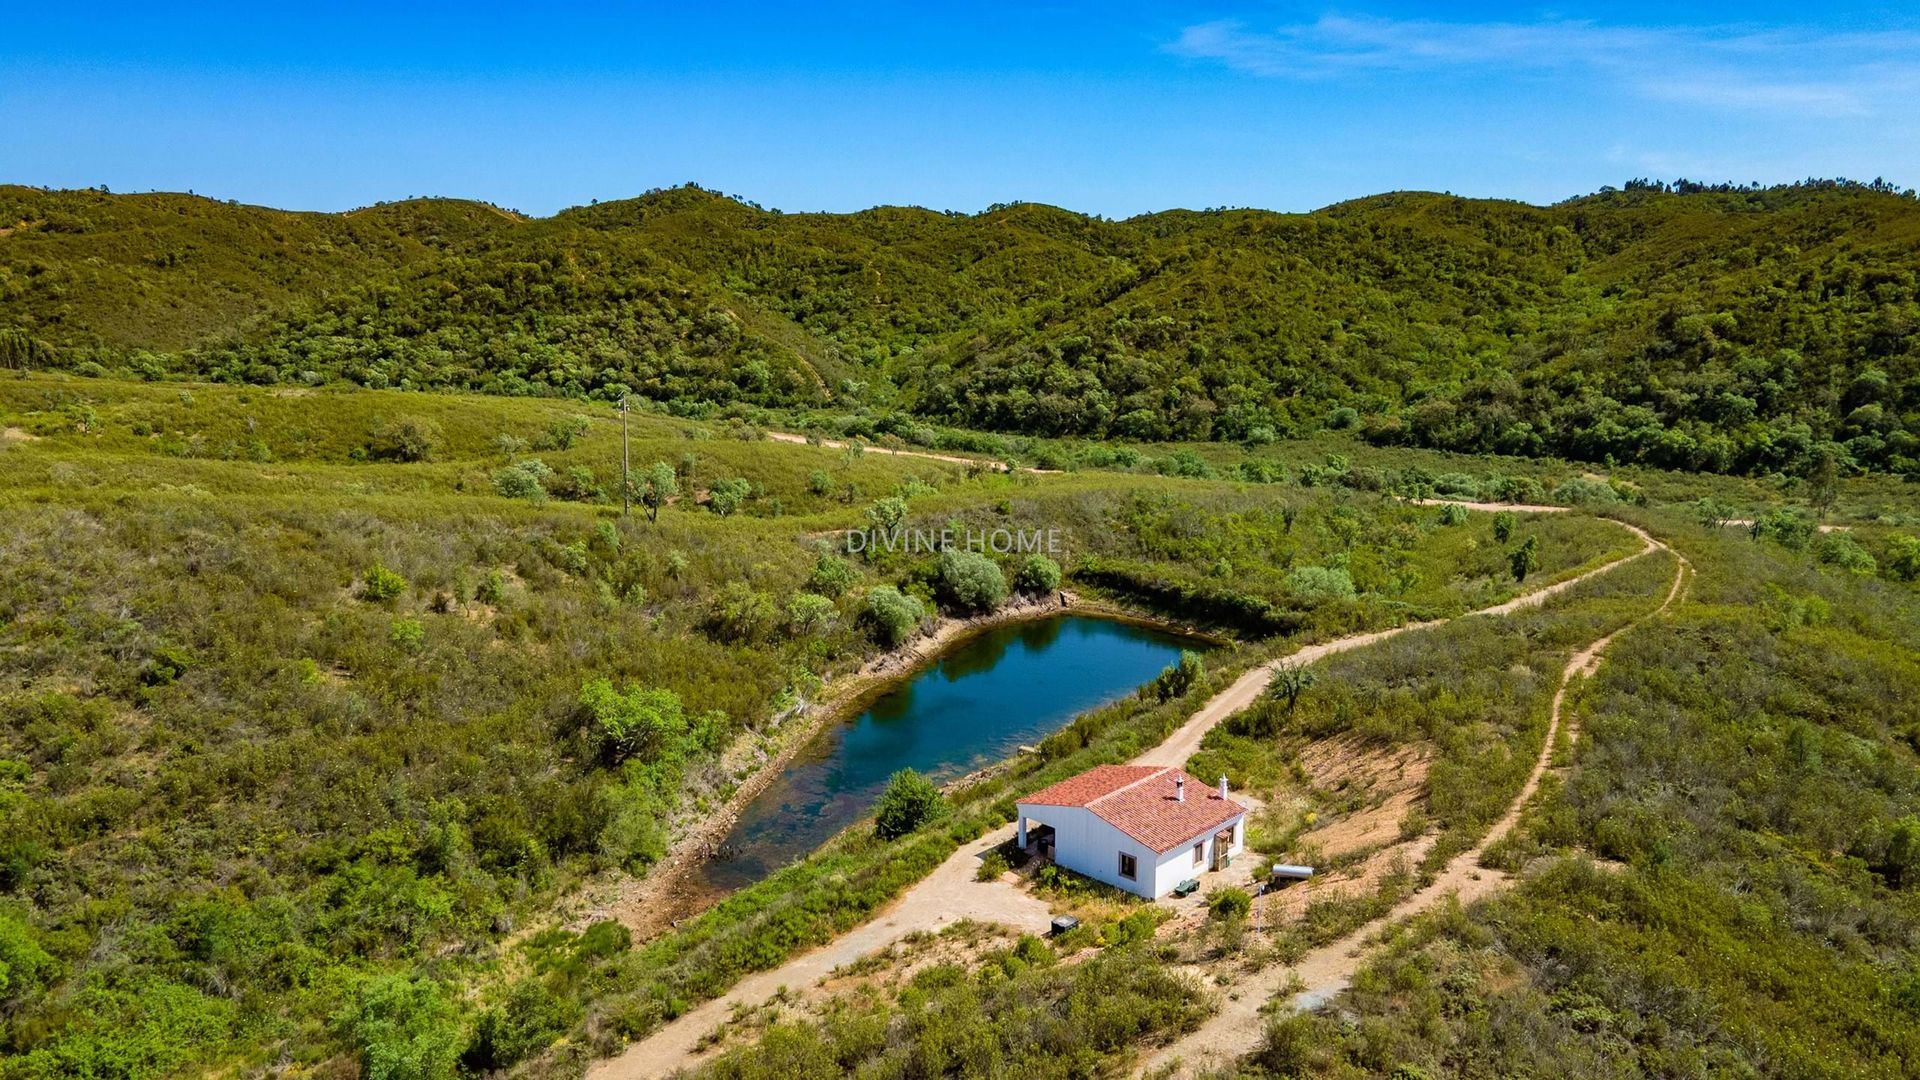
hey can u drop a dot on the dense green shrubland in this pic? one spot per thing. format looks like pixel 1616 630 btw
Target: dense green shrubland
pixel 1753 331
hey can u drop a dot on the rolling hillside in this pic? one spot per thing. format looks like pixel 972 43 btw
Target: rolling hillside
pixel 1743 331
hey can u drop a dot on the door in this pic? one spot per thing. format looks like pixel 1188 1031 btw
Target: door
pixel 1222 842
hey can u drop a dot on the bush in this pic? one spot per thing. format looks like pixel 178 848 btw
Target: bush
pixel 522 480
pixel 1524 558
pixel 407 438
pixel 819 482
pixel 832 576
pixel 1037 574
pixel 726 496
pixel 892 614
pixel 970 581
pixel 406 1030
pixel 1319 583
pixel 1839 549
pixel 382 584
pixel 1452 514
pixel 639 721
pixel 1178 678
pixel 1503 522
pixel 910 801
pixel 408 633
pixel 741 614
pixel 1787 526
pixel 1229 903
pixel 808 612
pixel 524 1024
pixel 1585 491
pixel 1903 558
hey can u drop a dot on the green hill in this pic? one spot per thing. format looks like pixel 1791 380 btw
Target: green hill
pixel 1733 330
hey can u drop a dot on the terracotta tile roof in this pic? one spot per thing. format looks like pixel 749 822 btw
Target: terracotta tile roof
pixel 1099 781
pixel 1139 801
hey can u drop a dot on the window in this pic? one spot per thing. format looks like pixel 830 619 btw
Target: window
pixel 1200 853
pixel 1129 868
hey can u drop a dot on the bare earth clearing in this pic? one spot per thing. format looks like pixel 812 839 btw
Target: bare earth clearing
pixel 950 893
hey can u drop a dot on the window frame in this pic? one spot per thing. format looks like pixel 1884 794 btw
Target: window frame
pixel 1200 853
pixel 1129 867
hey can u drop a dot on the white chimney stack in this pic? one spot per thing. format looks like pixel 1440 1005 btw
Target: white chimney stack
pixel 1223 785
pixel 1179 789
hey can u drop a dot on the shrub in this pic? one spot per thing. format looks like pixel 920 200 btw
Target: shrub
pixel 1839 549
pixel 819 482
pixel 405 1029
pixel 892 614
pixel 910 801
pixel 522 480
pixel 1229 903
pixel 639 721
pixel 1524 558
pixel 164 668
pixel 408 633
pixel 1585 491
pixel 1453 514
pixel 1319 583
pixel 1037 574
pixel 1503 522
pixel 1788 526
pixel 1903 558
pixel 382 584
pixel 407 438
pixel 808 612
pixel 970 581
pixel 726 496
pixel 832 575
pixel 741 614
pixel 528 1021
pixel 1178 678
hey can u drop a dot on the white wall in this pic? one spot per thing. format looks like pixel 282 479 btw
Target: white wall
pixel 1087 845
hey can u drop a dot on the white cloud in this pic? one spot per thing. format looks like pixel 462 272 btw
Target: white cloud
pixel 1728 68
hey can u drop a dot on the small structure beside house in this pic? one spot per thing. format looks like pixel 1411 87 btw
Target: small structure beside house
pixel 1141 828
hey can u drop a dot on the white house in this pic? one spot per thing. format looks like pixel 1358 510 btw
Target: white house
pixel 1142 828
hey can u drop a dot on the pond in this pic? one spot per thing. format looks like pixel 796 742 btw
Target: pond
pixel 1008 686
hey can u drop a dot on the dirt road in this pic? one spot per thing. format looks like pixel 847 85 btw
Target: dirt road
pixel 1236 1030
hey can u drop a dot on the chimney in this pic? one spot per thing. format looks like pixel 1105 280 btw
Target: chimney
pixel 1223 785
pixel 1179 789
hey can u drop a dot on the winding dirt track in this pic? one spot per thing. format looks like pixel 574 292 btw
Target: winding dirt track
pixel 1237 1029
pixel 950 893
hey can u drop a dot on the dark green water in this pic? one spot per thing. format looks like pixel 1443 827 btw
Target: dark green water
pixel 1009 686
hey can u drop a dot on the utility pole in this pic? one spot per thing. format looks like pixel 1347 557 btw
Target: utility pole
pixel 626 463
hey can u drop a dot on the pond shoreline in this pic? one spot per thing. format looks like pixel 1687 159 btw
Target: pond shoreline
pixel 674 890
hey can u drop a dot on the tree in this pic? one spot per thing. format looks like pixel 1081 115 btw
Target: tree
pixel 1712 513
pixel 970 581
pixel 659 485
pixel 887 514
pixel 725 496
pixel 1179 677
pixel 741 614
pixel 1525 558
pixel 910 801
pixel 1823 478
pixel 1290 682
pixel 1503 522
pixel 892 614
pixel 1790 527
pixel 638 721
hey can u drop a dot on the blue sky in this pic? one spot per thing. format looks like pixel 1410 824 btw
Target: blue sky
pixel 1113 109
